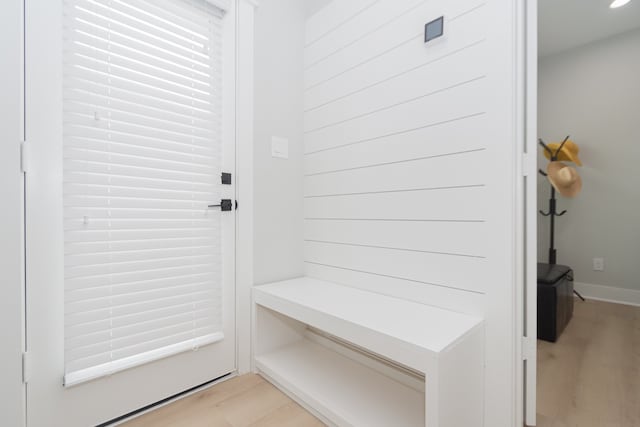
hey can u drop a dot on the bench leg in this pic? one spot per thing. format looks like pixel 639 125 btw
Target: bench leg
pixel 432 407
pixel 455 393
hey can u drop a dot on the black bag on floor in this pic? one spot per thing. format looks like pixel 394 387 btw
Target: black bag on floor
pixel 555 300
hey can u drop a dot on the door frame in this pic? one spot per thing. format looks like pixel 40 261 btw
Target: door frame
pixel 12 335
pixel 526 222
pixel 245 10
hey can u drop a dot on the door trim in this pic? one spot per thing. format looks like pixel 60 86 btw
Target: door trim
pixel 244 185
pixel 531 215
pixel 526 233
pixel 12 394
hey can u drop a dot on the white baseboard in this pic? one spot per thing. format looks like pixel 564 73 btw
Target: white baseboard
pixel 608 294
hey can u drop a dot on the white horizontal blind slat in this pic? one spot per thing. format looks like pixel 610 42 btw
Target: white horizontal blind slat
pixel 166 17
pixel 115 66
pixel 92 96
pixel 142 155
pixel 102 366
pixel 92 318
pixel 106 338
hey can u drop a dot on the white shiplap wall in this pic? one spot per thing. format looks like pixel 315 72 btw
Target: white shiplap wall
pixel 393 191
pixel 409 176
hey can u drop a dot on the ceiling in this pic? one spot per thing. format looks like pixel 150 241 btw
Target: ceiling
pixel 565 24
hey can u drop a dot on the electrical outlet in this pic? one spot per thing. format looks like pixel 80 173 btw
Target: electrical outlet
pixel 598 264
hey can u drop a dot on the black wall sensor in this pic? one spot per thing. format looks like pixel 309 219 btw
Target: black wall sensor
pixel 434 29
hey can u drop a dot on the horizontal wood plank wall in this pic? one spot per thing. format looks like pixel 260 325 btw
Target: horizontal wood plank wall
pixel 394 193
pixel 410 180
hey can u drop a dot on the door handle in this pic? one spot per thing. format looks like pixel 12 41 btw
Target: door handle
pixel 225 205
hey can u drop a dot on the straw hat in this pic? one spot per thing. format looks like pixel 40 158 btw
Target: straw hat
pixel 568 153
pixel 565 179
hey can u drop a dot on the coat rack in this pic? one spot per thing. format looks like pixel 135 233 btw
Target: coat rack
pixel 552 213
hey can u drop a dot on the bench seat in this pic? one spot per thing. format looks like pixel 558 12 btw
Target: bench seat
pixel 445 346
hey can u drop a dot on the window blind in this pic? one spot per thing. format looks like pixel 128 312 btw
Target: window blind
pixel 142 149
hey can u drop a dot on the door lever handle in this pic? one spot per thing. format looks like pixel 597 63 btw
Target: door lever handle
pixel 225 205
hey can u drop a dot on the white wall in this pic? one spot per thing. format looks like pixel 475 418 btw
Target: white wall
pixel 279 40
pixel 313 6
pixel 10 218
pixel 593 94
pixel 409 168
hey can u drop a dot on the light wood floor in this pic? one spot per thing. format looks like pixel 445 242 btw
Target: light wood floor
pixel 246 401
pixel 589 378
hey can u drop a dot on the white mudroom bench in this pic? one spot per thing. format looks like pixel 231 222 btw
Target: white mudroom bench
pixel 443 349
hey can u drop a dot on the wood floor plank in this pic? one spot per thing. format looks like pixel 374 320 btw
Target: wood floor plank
pixel 289 415
pixel 591 376
pixel 203 403
pixel 253 405
pixel 245 401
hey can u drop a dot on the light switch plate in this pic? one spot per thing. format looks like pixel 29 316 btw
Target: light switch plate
pixel 279 147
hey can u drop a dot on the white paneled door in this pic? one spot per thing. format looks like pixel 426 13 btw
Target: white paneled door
pixel 130 213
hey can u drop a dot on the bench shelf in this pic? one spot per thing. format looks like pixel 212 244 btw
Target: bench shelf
pixel 341 389
pixel 444 346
